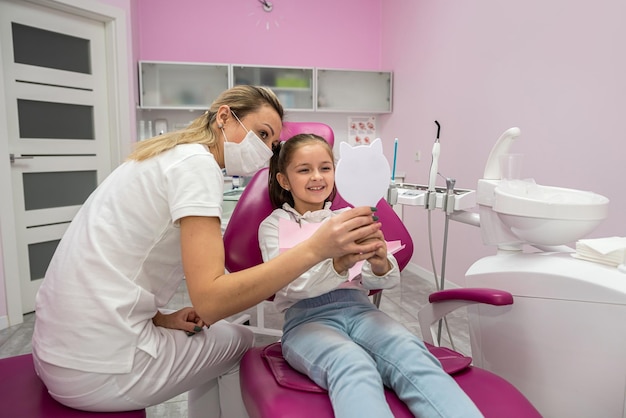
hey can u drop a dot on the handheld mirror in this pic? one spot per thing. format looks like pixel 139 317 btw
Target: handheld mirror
pixel 362 175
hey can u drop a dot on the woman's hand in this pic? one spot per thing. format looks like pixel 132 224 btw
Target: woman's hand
pixel 184 319
pixel 341 235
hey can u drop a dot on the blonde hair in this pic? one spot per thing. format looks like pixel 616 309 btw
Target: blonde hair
pixel 242 100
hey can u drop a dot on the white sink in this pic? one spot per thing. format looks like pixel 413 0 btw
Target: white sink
pixel 547 215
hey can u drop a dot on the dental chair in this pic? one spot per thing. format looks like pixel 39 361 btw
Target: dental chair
pixel 23 395
pixel 254 206
pixel 271 388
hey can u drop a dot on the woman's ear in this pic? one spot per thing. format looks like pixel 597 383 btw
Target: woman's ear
pixel 223 113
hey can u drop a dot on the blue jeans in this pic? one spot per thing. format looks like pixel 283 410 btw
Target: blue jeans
pixel 352 349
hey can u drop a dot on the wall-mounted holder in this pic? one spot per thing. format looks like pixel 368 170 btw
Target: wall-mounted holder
pixel 448 201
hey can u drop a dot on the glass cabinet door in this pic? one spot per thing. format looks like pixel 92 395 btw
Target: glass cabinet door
pixel 353 91
pixel 181 85
pixel 292 85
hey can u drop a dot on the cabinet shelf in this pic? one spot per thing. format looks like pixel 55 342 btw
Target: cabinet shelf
pixel 294 89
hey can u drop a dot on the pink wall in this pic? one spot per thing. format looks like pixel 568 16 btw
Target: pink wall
pixel 555 69
pixel 321 33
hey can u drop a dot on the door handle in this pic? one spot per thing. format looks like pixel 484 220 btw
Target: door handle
pixel 12 158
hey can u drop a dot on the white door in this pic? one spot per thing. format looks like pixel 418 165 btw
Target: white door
pixel 55 85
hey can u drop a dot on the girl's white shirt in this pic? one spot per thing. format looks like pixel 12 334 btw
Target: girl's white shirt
pixel 322 278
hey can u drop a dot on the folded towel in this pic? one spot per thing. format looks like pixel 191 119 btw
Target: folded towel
pixel 611 251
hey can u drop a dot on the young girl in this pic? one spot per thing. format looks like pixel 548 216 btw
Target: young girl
pixel 332 332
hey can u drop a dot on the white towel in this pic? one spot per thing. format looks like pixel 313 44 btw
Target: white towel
pixel 611 250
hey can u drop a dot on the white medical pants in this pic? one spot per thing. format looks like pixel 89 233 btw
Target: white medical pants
pixel 205 364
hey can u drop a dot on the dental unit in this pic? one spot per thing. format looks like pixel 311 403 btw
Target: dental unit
pixel 563 341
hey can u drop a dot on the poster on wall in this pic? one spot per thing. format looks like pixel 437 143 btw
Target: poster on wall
pixel 361 130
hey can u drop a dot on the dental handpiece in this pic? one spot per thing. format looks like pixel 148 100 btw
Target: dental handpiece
pixel 434 165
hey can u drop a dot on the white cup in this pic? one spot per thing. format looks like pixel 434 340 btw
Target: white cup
pixel 511 166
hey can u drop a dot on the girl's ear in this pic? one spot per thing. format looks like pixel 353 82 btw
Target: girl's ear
pixel 282 180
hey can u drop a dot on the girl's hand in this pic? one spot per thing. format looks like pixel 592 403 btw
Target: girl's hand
pixel 379 261
pixel 184 319
pixel 344 263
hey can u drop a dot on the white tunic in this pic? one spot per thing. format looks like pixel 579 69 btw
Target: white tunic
pixel 120 260
pixel 323 277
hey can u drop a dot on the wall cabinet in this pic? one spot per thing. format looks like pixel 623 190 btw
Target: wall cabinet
pixel 194 86
pixel 293 86
pixel 348 91
pixel 165 85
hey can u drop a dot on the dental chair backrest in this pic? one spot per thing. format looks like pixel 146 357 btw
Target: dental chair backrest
pixel 241 234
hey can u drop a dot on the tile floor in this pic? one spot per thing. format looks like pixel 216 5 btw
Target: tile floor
pixel 402 303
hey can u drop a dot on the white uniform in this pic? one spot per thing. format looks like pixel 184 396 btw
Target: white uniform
pixel 119 261
pixel 322 278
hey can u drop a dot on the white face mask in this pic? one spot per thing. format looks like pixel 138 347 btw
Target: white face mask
pixel 246 157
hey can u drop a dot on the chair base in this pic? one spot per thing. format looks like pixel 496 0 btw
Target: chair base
pixel 23 394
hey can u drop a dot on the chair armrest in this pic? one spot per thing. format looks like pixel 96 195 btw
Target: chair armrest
pixel 445 301
pixel 494 297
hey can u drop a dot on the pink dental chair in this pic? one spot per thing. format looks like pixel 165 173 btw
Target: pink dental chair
pixel 23 395
pixel 271 388
pixel 256 206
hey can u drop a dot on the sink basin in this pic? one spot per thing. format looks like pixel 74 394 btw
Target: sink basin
pixel 547 215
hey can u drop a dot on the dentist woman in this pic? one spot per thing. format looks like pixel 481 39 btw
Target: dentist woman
pixel 100 342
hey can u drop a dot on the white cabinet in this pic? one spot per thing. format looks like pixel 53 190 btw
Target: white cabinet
pixel 194 86
pixel 165 85
pixel 353 91
pixel 292 85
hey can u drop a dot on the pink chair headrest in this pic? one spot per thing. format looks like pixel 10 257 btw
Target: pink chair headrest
pixel 294 128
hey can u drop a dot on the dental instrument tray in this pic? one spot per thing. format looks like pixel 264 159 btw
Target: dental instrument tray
pixel 416 194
